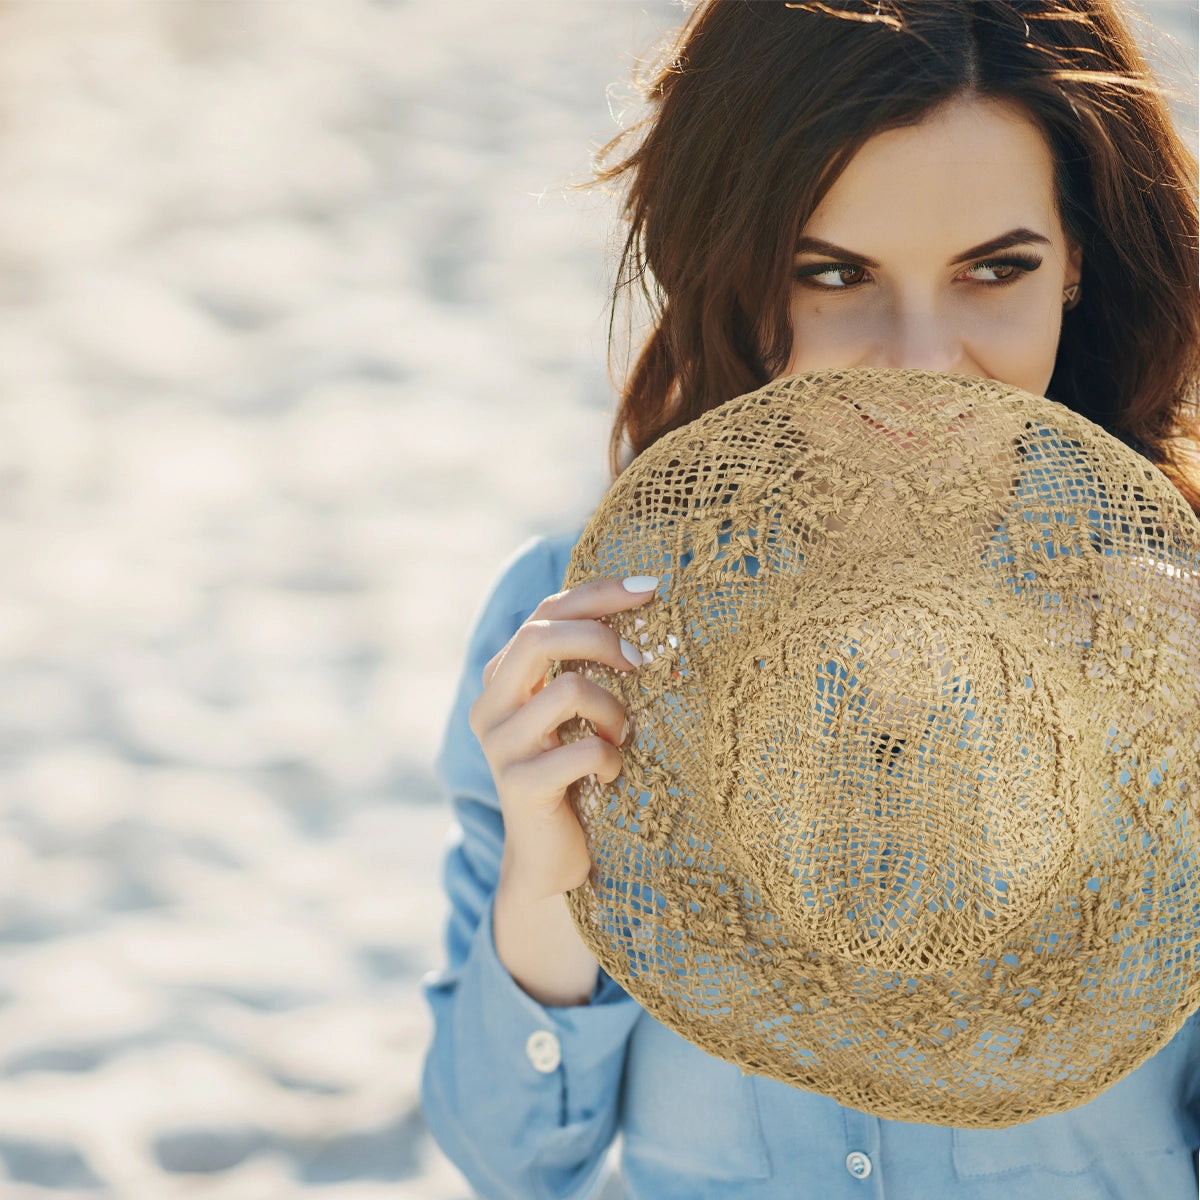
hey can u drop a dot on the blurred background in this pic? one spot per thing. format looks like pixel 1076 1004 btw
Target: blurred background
pixel 301 334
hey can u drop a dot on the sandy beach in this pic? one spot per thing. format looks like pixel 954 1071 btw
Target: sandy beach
pixel 302 332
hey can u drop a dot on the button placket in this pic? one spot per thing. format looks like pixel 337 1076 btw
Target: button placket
pixel 862 1150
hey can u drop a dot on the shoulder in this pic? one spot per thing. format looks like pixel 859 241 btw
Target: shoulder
pixel 532 571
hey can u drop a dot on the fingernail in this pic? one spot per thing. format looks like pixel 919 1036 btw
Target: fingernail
pixel 631 653
pixel 640 583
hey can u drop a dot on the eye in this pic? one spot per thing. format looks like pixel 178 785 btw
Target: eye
pixel 1005 270
pixel 831 276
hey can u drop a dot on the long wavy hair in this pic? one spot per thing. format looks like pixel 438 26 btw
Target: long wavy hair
pixel 762 103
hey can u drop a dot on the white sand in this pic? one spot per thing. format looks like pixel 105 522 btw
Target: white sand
pixel 300 335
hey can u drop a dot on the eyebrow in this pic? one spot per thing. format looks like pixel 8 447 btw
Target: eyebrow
pixel 1014 237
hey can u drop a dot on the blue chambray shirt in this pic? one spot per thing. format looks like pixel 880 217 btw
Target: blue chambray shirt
pixel 526 1100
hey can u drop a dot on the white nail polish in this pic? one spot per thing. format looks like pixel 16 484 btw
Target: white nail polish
pixel 631 653
pixel 640 583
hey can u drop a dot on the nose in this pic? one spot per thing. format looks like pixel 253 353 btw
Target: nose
pixel 922 337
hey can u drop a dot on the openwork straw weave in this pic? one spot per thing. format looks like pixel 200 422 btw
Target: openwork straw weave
pixel 908 814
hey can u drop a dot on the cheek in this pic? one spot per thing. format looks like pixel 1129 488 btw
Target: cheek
pixel 1016 344
pixel 830 334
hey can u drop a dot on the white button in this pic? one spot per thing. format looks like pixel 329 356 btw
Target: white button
pixel 544 1051
pixel 858 1164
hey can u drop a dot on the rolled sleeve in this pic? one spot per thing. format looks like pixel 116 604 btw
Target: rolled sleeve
pixel 521 1097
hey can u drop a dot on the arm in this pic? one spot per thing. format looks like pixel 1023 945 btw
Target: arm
pixel 520 1096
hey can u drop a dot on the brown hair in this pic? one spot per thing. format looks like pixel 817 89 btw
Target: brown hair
pixel 763 103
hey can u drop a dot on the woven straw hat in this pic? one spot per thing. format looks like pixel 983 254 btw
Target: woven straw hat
pixel 908 813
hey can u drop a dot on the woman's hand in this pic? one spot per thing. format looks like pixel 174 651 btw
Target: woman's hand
pixel 516 720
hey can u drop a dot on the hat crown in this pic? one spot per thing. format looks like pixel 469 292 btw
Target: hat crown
pixel 906 788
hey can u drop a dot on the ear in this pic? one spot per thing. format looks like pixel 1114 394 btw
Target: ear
pixel 1074 263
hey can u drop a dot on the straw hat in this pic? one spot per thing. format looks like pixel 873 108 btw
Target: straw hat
pixel 908 813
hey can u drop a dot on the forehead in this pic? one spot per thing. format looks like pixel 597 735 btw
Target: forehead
pixel 969 170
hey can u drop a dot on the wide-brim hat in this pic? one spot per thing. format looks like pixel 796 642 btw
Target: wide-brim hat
pixel 908 814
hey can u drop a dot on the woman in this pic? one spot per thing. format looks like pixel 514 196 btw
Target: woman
pixel 990 188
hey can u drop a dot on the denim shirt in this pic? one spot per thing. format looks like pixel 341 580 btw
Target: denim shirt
pixel 526 1100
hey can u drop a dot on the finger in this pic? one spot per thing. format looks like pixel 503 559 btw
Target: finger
pixel 597 598
pixel 521 671
pixel 534 725
pixel 540 781
pixel 492 663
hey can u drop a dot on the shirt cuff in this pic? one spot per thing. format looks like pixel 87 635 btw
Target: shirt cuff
pixel 523 1098
pixel 591 1036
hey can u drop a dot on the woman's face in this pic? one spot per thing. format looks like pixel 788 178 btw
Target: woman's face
pixel 939 247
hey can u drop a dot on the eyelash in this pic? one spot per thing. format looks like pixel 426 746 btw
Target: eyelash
pixel 1022 262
